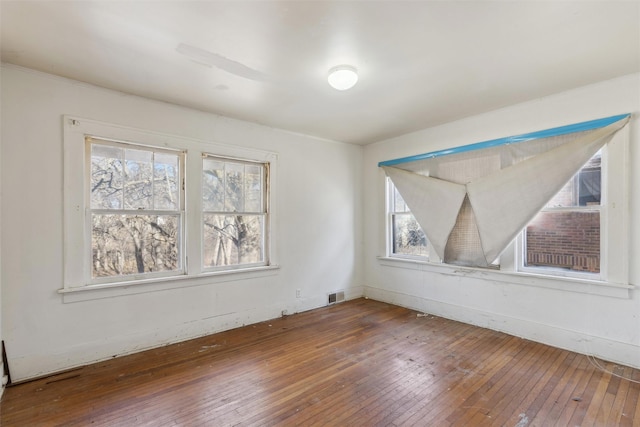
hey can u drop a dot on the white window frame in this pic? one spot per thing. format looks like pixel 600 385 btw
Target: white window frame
pixel 264 213
pixel 564 272
pixel 614 208
pixel 76 232
pixel 390 244
pixel 89 211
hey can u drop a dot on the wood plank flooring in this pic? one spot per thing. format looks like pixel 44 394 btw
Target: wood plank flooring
pixel 358 363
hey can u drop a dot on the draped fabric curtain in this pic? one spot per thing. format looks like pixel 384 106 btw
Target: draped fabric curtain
pixel 473 203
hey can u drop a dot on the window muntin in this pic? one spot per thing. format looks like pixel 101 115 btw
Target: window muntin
pixel 406 238
pixel 135 209
pixel 566 234
pixel 234 213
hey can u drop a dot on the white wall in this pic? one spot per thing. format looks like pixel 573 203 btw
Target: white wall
pixel 540 310
pixel 318 241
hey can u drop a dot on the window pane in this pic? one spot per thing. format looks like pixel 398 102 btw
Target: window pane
pixel 234 185
pixel 253 188
pixel 106 177
pixel 398 202
pixel 213 185
pixel 233 239
pixel 589 187
pixel 166 177
pixel 138 189
pixel 568 240
pixel 132 244
pixel 408 237
pixel 583 189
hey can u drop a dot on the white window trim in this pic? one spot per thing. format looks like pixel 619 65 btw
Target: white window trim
pixel 613 279
pixel 556 283
pixel 76 268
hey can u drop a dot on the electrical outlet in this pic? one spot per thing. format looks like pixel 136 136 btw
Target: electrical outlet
pixel 298 293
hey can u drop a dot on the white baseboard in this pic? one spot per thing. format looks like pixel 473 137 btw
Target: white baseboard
pixel 579 342
pixel 27 367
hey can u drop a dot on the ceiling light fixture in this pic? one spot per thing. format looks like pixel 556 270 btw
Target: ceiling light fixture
pixel 343 77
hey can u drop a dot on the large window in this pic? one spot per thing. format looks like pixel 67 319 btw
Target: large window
pixel 234 212
pixel 581 232
pixel 565 235
pixel 136 209
pixel 406 238
pixel 564 238
pixel 161 210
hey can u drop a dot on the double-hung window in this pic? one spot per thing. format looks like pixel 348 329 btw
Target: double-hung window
pixel 565 235
pixel 234 212
pixel 405 237
pixel 136 209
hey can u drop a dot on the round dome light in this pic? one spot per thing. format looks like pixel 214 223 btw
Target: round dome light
pixel 343 77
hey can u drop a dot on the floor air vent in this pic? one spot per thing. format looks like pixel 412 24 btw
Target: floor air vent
pixel 336 297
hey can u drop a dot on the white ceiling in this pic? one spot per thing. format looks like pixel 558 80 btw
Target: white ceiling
pixel 421 63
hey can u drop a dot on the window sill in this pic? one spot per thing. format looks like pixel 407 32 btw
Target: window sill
pixel 557 283
pixel 110 290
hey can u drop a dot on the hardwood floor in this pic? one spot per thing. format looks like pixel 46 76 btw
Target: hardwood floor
pixel 358 363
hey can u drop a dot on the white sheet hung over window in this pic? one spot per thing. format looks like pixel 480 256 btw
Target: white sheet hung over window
pixel 472 201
